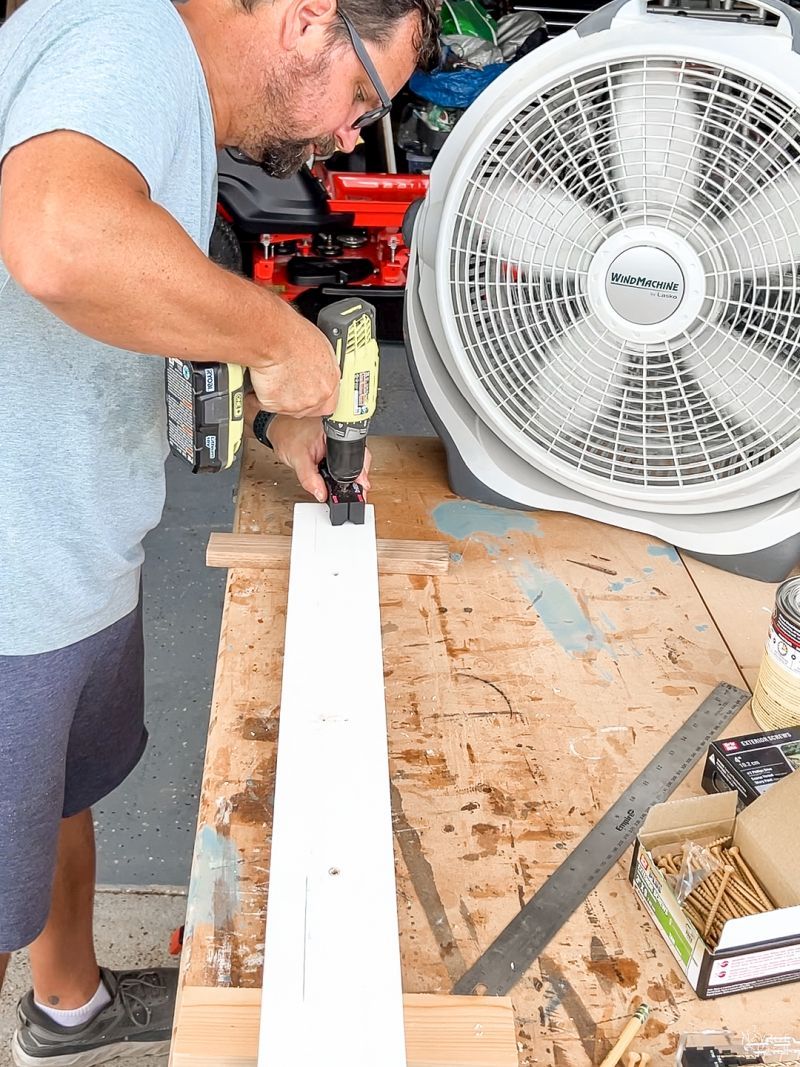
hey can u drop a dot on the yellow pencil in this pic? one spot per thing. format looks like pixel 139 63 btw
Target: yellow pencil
pixel 625 1038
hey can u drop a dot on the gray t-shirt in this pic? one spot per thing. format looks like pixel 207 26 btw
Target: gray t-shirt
pixel 82 424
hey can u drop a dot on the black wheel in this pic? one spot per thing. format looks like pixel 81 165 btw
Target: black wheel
pixel 224 247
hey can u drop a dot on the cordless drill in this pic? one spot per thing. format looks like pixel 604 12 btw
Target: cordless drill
pixel 349 325
pixel 205 408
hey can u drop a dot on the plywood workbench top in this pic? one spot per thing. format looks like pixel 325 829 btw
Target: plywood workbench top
pixel 524 690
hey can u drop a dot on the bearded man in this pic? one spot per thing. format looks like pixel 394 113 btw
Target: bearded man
pixel 111 115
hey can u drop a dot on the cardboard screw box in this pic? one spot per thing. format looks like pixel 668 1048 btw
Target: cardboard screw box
pixel 751 764
pixel 755 951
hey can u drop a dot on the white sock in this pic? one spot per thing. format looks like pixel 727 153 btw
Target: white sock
pixel 79 1016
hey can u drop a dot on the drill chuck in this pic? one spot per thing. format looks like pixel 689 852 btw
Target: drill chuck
pixel 346 457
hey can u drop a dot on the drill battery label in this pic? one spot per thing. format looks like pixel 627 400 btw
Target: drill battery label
pixel 361 393
pixel 180 400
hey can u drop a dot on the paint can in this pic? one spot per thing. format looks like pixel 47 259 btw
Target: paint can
pixel 776 697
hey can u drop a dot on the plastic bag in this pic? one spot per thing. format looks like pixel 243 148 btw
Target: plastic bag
pixel 454 89
pixel 464 51
pixel 519 33
pixel 467 17
pixel 696 865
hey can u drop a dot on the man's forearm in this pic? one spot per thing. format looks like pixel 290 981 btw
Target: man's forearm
pixel 162 295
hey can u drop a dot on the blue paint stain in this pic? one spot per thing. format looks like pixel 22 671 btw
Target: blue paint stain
pixel 663 550
pixel 215 880
pixel 647 570
pixel 560 612
pixel 702 629
pixel 615 587
pixel 551 599
pixel 456 557
pixel 464 519
pixel 631 581
pixel 610 625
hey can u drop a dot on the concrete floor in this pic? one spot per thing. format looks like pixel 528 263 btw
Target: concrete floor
pixel 133 930
pixel 146 828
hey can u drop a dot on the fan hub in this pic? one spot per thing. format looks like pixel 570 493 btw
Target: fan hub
pixel 646 284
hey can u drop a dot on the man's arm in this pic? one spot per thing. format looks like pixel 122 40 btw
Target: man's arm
pixel 79 232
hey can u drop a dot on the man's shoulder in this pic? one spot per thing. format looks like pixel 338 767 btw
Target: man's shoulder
pixel 155 23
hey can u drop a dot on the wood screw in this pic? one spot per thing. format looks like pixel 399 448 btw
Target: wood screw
pixel 738 859
pixel 715 907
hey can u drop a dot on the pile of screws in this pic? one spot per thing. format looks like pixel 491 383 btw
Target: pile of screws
pixel 731 891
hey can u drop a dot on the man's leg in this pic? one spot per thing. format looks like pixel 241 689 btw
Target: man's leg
pixel 63 963
pixel 77 1013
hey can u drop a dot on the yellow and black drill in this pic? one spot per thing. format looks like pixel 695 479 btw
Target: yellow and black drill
pixel 205 408
pixel 349 325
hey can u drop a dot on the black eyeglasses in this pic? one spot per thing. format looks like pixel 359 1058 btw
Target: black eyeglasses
pixel 377 113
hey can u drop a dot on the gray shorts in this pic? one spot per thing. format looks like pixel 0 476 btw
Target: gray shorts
pixel 71 729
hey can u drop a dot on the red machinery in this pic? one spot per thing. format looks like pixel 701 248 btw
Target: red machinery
pixel 319 234
pixel 377 203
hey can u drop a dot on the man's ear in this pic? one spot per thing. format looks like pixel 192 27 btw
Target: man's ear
pixel 304 25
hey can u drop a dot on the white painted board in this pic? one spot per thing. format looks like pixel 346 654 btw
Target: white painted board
pixel 332 990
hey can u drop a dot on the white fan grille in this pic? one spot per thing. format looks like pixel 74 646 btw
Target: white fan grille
pixel 697 150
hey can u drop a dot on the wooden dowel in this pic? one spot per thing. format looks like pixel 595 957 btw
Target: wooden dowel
pixel 268 550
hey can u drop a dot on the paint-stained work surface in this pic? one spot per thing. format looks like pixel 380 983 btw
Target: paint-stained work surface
pixel 524 690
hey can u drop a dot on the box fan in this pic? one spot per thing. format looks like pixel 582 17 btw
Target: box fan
pixel 603 304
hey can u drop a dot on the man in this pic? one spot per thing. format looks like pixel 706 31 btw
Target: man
pixel 110 116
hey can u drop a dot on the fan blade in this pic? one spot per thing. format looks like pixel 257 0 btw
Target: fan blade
pixel 581 373
pixel 654 136
pixel 745 381
pixel 535 227
pixel 763 233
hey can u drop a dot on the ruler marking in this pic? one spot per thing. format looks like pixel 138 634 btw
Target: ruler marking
pixel 513 951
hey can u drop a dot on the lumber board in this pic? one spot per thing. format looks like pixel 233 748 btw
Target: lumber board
pixel 332 951
pixel 524 690
pixel 272 550
pixel 219 1028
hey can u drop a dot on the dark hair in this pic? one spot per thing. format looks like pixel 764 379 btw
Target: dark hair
pixel 375 20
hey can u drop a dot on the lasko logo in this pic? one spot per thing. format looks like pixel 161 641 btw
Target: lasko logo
pixel 641 282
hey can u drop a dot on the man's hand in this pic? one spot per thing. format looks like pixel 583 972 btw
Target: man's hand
pixel 300 444
pixel 306 381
